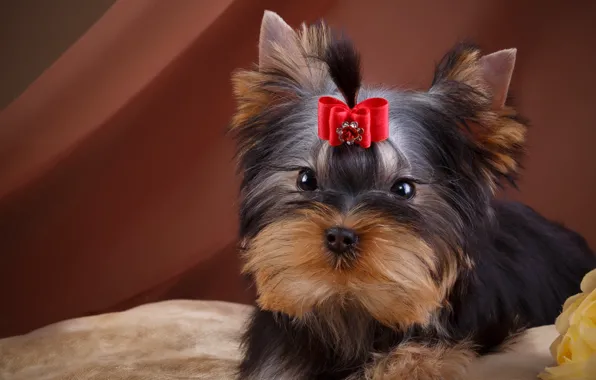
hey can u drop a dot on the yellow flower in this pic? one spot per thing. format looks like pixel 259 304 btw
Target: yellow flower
pixel 572 303
pixel 575 348
pixel 589 282
pixel 571 371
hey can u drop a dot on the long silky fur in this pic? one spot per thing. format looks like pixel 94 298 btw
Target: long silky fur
pixel 481 270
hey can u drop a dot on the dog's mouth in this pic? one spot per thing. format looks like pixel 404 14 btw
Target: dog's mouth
pixel 303 262
pixel 344 262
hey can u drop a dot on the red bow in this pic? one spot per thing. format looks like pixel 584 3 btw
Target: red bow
pixel 368 121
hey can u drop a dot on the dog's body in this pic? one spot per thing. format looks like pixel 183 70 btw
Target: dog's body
pixel 522 275
pixel 388 260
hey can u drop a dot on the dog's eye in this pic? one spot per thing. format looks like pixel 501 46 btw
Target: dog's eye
pixel 404 188
pixel 307 180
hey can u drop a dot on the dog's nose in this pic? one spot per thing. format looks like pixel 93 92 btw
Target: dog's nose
pixel 340 239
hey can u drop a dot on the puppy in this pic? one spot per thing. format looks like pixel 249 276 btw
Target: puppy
pixel 368 218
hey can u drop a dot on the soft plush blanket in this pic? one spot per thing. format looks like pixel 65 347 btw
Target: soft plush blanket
pixel 188 340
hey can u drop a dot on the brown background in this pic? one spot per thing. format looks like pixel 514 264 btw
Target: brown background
pixel 116 179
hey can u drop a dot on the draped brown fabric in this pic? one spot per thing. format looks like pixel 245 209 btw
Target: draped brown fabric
pixel 117 182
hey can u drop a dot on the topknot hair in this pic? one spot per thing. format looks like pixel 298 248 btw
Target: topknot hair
pixel 343 61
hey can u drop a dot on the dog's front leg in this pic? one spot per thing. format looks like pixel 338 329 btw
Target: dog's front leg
pixel 417 361
pixel 270 351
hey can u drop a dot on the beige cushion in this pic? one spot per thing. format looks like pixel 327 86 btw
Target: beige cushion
pixel 187 340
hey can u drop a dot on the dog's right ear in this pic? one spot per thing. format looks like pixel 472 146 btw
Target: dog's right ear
pixel 277 38
pixel 296 55
pixel 258 88
pixel 286 68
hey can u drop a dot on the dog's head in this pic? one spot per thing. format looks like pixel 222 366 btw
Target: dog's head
pixel 381 228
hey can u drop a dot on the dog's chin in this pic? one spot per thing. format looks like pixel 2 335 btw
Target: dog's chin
pixel 393 276
pixel 307 298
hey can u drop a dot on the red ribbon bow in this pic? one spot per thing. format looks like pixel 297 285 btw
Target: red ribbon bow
pixel 368 121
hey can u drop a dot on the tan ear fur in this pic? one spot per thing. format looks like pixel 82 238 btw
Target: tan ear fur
pixel 496 127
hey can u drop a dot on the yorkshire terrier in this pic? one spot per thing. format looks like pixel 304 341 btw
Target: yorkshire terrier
pixel 368 216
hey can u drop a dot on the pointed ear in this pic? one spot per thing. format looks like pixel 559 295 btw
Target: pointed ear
pixel 489 74
pixel 475 88
pixel 276 35
pixel 285 71
pixel 497 70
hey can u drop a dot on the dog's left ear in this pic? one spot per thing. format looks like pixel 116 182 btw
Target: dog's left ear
pixel 476 88
pixel 490 75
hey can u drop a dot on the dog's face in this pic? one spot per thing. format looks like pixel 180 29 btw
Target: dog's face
pixel 382 229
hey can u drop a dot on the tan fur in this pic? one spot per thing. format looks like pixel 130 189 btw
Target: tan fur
pixel 466 69
pixel 391 278
pixel 250 97
pixel 253 96
pixel 501 134
pixel 413 361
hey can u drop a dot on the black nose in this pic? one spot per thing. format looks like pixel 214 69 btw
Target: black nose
pixel 341 240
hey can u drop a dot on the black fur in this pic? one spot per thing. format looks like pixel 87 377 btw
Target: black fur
pixel 344 68
pixel 525 269
pixel 524 272
pixel 525 266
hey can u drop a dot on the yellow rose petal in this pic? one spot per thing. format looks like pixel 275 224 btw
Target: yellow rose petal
pixel 575 349
pixel 572 303
pixel 569 371
pixel 591 367
pixel 583 309
pixel 587 330
pixel 554 347
pixel 572 300
pixel 564 354
pixel 588 284
pixel 580 350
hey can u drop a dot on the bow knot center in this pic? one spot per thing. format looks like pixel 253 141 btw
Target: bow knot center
pixel 349 132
